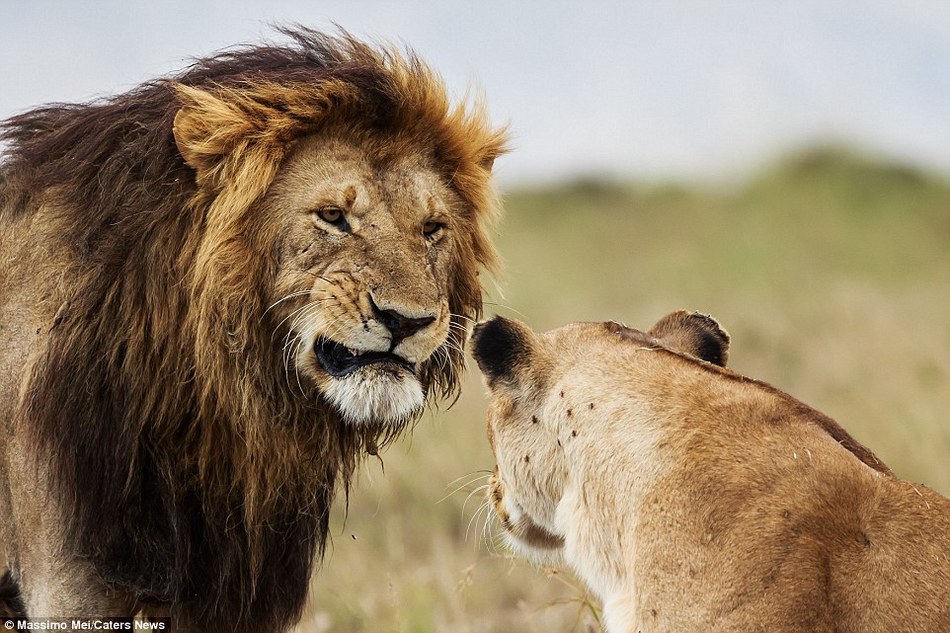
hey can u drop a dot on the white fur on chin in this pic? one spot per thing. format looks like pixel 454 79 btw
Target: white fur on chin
pixel 369 396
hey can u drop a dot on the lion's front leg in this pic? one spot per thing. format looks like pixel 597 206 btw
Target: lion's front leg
pixel 53 581
pixel 57 585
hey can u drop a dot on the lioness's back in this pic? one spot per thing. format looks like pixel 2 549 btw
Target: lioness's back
pixel 901 580
pixel 773 515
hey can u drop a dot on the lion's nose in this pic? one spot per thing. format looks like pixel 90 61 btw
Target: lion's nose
pixel 399 325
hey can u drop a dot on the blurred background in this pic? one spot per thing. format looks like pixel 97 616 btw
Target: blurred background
pixel 785 168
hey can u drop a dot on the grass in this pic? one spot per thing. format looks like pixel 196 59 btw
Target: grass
pixel 832 274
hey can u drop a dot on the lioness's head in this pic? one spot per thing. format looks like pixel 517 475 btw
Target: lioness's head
pixel 360 198
pixel 532 420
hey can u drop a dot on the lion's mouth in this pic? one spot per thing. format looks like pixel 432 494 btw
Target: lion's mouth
pixel 338 360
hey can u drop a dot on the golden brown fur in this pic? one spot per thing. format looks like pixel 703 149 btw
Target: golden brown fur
pixel 175 261
pixel 691 498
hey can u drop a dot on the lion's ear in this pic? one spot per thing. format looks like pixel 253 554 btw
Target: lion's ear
pixel 207 129
pixel 496 146
pixel 196 130
pixel 500 346
pixel 694 333
pixel 489 154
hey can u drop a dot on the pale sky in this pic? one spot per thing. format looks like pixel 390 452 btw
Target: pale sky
pixel 674 89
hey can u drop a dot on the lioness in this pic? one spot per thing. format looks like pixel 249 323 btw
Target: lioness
pixel 691 498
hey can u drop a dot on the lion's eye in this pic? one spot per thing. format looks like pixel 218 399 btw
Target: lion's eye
pixel 332 215
pixel 431 228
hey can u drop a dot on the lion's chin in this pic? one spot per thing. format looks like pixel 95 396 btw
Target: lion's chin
pixel 370 396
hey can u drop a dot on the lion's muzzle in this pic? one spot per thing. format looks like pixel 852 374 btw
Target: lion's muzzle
pixel 399 325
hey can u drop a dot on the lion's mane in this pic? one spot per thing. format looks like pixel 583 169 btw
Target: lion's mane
pixel 191 476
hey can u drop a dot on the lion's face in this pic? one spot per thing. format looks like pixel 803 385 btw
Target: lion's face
pixel 366 252
pixel 550 394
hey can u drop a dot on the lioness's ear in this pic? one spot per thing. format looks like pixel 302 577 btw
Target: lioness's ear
pixel 500 345
pixel 693 333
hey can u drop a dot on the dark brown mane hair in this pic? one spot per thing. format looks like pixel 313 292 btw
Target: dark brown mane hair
pixel 191 475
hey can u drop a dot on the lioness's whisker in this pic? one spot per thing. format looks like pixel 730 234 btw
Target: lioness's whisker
pixel 493 539
pixel 478 511
pixel 479 489
pixel 465 485
pixel 477 474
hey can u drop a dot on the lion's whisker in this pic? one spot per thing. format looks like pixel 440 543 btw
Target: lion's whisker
pixel 462 317
pixel 293 315
pixel 298 293
pixel 507 307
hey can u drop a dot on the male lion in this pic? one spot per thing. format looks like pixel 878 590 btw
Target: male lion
pixel 691 498
pixel 216 292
